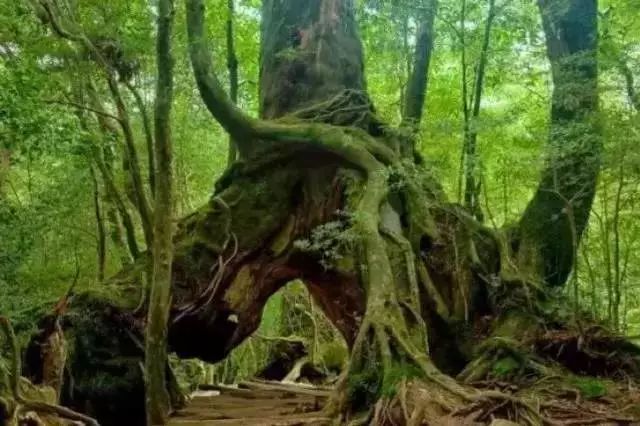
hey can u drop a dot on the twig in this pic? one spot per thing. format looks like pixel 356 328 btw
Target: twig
pixel 83 107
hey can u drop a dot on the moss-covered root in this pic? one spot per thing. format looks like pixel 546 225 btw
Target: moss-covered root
pixel 385 358
pixel 391 346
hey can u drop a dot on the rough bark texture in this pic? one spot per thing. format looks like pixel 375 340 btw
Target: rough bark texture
pixel 554 220
pixel 326 194
pixel 310 51
pixel 157 397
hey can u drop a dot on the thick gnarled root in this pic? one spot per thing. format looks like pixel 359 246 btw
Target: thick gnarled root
pixel 383 363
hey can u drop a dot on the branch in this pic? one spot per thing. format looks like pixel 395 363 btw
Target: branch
pixel 232 66
pixel 54 20
pixel 146 124
pixel 417 85
pixel 84 108
pixel 634 96
pixel 239 125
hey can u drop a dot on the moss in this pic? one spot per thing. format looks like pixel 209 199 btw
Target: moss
pixel 189 373
pixel 396 374
pixel 366 387
pixel 334 355
pixel 283 239
pixel 242 285
pixel 505 367
pixel 589 387
pixel 252 207
pixel 363 388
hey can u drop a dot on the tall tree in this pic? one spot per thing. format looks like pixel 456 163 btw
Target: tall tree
pixel 471 112
pixel 553 222
pixel 160 298
pixel 418 80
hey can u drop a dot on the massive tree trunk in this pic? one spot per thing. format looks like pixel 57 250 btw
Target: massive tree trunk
pixel 327 193
pixel 554 220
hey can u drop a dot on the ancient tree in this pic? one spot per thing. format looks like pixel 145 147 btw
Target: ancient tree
pixel 427 298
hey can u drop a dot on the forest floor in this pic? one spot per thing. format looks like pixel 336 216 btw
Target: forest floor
pixel 267 403
pixel 255 403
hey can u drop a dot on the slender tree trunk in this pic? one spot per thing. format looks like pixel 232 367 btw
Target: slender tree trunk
pixel 106 156
pixel 472 183
pixel 617 260
pixel 465 96
pixel 132 160
pixel 101 239
pixel 160 298
pixel 419 77
pixel 121 206
pixel 148 133
pixel 103 158
pixel 232 67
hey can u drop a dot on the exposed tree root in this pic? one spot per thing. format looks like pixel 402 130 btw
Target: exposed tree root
pixel 416 402
pixel 594 351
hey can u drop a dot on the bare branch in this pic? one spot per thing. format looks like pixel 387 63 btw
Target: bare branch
pixel 84 108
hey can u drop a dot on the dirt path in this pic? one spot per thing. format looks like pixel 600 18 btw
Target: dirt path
pixel 253 404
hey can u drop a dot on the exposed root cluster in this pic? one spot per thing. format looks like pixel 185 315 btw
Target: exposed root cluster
pixel 593 351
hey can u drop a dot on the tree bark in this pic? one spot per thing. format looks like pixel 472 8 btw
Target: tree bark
pixel 472 183
pixel 148 133
pixel 419 78
pixel 232 67
pixel 101 239
pixel 548 235
pixel 157 397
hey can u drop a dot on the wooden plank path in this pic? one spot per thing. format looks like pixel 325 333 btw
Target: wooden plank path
pixel 255 403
